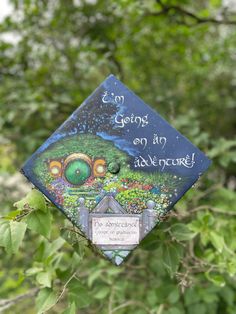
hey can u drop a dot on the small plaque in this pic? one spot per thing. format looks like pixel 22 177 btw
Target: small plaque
pixel 115 230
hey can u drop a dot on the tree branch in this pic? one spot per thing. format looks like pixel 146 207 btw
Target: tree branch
pixel 6 303
pixel 175 9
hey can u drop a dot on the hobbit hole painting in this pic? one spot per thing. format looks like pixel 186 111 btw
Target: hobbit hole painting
pixel 115 168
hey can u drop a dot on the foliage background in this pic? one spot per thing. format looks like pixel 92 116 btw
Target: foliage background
pixel 179 56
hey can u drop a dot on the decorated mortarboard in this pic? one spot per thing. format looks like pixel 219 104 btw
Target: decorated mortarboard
pixel 115 168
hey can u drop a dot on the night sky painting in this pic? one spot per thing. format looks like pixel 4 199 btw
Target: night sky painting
pixel 115 168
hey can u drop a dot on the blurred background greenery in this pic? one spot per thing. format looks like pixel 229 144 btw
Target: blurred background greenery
pixel 180 57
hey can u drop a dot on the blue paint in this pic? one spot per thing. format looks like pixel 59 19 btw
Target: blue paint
pixel 98 115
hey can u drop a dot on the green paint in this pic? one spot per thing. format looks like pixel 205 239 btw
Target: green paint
pixel 77 172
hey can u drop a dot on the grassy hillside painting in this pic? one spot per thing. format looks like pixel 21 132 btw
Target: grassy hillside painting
pixel 132 189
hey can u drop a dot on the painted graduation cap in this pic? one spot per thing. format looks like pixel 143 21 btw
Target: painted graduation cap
pixel 115 167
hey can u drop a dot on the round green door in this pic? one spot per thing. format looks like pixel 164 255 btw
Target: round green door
pixel 77 171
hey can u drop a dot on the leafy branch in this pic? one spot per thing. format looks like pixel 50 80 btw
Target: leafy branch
pixel 172 10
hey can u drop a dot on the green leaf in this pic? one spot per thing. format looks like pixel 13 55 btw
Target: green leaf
pixel 217 279
pixel 171 256
pixel 231 267
pixel 17 234
pixel 150 241
pixel 78 294
pixel 33 271
pixel 113 271
pixel 173 310
pixel 197 308
pixel 13 214
pixel 34 200
pixel 93 276
pixel 44 279
pixel 56 245
pixel 174 296
pixel 12 234
pixel 4 225
pixel 181 232
pixel 102 293
pixel 45 300
pixel 40 222
pixel 71 309
pixel 228 295
pixel 217 241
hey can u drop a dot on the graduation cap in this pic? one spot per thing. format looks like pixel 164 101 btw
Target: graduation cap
pixel 115 168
